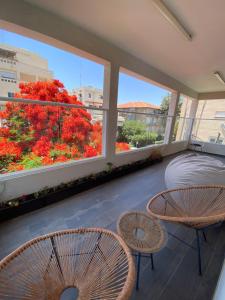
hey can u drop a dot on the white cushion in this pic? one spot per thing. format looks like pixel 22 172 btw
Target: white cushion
pixel 193 169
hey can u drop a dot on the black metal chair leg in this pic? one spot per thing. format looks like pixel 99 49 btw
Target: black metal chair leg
pixel 204 235
pixel 152 262
pixel 138 270
pixel 199 253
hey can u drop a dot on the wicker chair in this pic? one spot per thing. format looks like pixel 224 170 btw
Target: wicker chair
pixel 95 261
pixel 142 234
pixel 197 207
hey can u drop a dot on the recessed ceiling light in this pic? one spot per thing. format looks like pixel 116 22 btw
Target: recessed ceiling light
pixel 171 18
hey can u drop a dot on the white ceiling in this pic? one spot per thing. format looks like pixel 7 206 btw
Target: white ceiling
pixel 137 27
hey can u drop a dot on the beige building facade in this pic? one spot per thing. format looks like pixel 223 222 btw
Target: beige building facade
pixel 19 65
pixel 183 120
pixel 209 125
pixel 92 97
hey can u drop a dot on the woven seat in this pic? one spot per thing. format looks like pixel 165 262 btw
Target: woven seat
pixel 95 261
pixel 142 234
pixel 195 207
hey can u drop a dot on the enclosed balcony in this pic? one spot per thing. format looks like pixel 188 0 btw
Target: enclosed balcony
pixel 112 150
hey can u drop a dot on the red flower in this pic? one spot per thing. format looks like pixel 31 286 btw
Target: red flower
pixel 13 167
pixel 56 134
pixel 61 158
pixel 42 146
pixel 9 149
pixel 47 160
pixel 90 151
pixel 122 147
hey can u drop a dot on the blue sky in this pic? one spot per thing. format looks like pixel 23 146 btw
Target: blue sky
pixel 75 71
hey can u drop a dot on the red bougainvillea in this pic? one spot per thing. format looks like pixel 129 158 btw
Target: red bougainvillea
pixel 122 147
pixel 32 135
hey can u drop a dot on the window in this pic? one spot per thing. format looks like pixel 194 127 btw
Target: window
pixel 220 114
pixel 8 75
pixel 216 140
pixel 142 113
pixel 42 79
pixel 183 121
pixel 38 135
pixel 89 95
pixel 27 77
pixel 212 139
pixel 209 124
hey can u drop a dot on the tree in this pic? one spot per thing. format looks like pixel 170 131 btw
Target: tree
pixel 164 107
pixel 136 133
pixel 32 135
pixel 165 104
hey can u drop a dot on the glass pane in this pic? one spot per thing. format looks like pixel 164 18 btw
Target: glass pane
pixel 25 60
pixel 209 125
pixel 140 122
pixel 139 130
pixel 38 135
pixel 183 122
pixel 33 135
pixel 212 131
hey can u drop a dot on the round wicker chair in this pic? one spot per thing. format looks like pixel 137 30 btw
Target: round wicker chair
pixel 142 234
pixel 95 261
pixel 197 207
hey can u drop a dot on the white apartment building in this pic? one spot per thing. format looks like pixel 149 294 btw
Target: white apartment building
pixel 19 65
pixel 92 97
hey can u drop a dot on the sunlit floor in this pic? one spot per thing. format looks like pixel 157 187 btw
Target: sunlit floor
pixel 176 270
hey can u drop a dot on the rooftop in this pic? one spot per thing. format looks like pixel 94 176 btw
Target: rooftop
pixel 138 104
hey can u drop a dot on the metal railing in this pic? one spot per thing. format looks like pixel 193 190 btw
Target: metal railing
pixel 49 103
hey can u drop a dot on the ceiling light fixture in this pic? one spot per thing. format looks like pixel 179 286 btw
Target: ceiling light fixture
pixel 219 76
pixel 171 18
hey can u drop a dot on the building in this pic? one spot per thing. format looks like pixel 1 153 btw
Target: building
pixel 148 113
pixel 209 125
pixel 19 65
pixel 92 97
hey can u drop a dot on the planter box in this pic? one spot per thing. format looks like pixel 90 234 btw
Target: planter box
pixel 54 195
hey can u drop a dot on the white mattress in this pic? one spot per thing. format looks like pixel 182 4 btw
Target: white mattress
pixel 193 169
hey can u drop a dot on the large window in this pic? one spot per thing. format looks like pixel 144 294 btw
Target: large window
pixel 209 125
pixel 142 113
pixel 183 119
pixel 60 123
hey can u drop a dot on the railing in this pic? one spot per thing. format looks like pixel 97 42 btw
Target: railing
pixel 35 133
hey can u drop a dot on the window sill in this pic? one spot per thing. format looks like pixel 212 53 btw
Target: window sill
pixel 154 146
pixel 9 176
